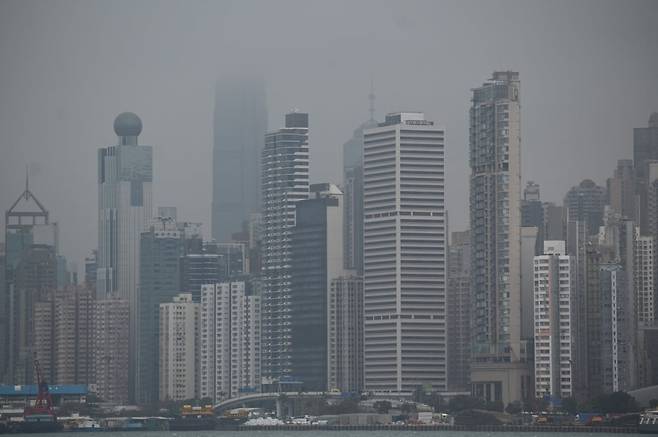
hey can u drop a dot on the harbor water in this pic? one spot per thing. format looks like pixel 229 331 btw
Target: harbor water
pixel 316 433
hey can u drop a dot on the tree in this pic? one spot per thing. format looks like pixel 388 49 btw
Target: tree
pixel 382 407
pixel 617 402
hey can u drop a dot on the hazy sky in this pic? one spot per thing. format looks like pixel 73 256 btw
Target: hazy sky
pixel 589 74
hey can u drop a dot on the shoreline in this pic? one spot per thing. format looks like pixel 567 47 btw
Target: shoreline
pixel 473 428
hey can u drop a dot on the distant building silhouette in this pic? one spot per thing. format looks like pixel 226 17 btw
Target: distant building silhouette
pixel 240 121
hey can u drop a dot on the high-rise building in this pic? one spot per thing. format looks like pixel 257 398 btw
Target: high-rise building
pixel 586 202
pixel 125 175
pixel 458 301
pixel 90 271
pixel 353 195
pixel 198 269
pixel 645 145
pixel 111 331
pixel 178 351
pixel 621 190
pixel 345 333
pixel 645 278
pixel 617 351
pixel 64 335
pixel 284 183
pixel 554 222
pixel 499 371
pixel 556 323
pixel 404 255
pixel 317 258
pixel 161 247
pixel 645 153
pixel 29 271
pixel 230 339
pixel 532 212
pixel 240 121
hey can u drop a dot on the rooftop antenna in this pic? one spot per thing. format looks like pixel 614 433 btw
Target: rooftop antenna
pixel 371 98
pixel 27 183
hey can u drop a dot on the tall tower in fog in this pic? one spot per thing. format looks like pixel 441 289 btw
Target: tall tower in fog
pixel 284 183
pixel 239 125
pixel 498 372
pixel 353 193
pixel 125 175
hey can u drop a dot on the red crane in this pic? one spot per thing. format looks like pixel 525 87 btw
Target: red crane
pixel 44 402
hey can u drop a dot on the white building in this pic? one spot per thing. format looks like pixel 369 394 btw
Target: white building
pixel 645 286
pixel 125 174
pixel 404 255
pixel 284 183
pixel 229 340
pixel 179 321
pixel 556 322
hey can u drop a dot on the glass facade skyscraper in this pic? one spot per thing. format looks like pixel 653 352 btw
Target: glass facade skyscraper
pixel 125 175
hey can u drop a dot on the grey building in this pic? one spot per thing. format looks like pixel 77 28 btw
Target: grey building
pixel 353 192
pixel 345 333
pixel 499 371
pixel 458 300
pixel 160 250
pixel 586 202
pixel 645 153
pixel 317 258
pixel 284 183
pixel 240 121
pixel 617 345
pixel 30 271
pixel 621 190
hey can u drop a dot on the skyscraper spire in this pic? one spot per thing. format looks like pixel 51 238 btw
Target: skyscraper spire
pixel 27 184
pixel 371 98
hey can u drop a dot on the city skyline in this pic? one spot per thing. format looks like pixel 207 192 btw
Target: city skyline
pixel 477 241
pixel 182 133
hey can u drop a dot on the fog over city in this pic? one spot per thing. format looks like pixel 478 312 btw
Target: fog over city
pixel 589 74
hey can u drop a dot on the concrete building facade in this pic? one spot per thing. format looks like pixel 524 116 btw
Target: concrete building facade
pixel 178 351
pixel 404 255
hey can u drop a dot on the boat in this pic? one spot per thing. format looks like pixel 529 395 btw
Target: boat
pixel 194 419
pixel 648 422
pixel 40 417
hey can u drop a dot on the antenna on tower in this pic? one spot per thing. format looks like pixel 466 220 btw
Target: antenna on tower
pixel 27 183
pixel 371 98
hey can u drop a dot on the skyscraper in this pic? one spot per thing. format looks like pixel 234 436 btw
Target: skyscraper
pixel 161 247
pixel 30 272
pixel 404 255
pixel 111 339
pixel 240 122
pixel 585 202
pixel 230 345
pixel 284 183
pixel 345 332
pixel 178 349
pixel 498 372
pixel 621 189
pixel 317 258
pixel 645 154
pixel 353 194
pixel 556 322
pixel 459 304
pixel 125 175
